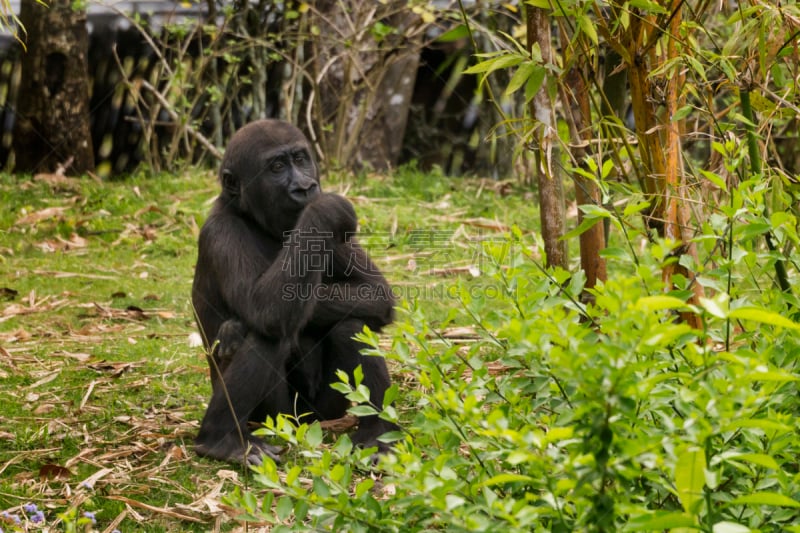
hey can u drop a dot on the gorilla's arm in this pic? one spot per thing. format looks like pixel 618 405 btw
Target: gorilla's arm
pixel 358 291
pixel 249 281
pixel 253 271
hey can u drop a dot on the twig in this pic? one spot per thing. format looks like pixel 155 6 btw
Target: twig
pixel 87 395
pixel 186 127
pixel 159 510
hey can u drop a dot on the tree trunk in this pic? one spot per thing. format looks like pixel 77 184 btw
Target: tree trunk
pixel 364 80
pixel 52 130
pixel 545 142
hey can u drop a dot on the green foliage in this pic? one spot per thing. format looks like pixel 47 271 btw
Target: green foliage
pixel 563 416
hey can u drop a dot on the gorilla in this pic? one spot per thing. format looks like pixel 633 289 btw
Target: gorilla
pixel 280 289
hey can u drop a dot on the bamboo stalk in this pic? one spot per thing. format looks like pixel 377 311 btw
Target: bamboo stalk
pixel 577 111
pixel 676 222
pixel 756 168
pixel 551 193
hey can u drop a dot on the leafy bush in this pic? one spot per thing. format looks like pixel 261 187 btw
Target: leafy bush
pixel 565 417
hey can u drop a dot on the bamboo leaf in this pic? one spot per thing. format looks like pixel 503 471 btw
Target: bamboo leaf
pixel 690 478
pixel 594 211
pixel 583 227
pixel 763 316
pixel 717 307
pixel 454 34
pixel 660 521
pixel 760 459
pixel 501 479
pixel 716 179
pixel 495 63
pixel 650 7
pixel 659 302
pixel 766 498
pixel 587 27
pixel 682 113
pixel 521 76
pixel 534 84
pixel 763 424
pixel 632 209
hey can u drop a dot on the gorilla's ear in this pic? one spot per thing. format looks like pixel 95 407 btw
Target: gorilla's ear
pixel 230 184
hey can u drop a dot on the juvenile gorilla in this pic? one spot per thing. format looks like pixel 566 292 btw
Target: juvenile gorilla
pixel 280 289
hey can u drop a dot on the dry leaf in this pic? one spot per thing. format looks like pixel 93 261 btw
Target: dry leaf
pixel 116 369
pixel 58 181
pixel 44 409
pixel 44 214
pixel 52 471
pixel 75 241
pixel 47 379
pixel 79 356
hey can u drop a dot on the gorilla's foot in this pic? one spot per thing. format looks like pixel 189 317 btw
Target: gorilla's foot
pixel 231 449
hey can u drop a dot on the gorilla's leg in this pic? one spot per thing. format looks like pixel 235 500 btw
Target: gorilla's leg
pixel 342 352
pixel 304 374
pixel 256 376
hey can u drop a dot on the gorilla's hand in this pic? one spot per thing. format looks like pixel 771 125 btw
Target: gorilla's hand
pixel 329 213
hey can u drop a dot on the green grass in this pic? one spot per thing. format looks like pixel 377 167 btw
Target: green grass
pixel 100 390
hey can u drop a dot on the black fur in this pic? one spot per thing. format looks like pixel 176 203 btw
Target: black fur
pixel 280 288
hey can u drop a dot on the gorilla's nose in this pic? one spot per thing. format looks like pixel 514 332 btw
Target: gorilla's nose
pixel 304 191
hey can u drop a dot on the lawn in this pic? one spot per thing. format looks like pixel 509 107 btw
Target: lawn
pixel 102 382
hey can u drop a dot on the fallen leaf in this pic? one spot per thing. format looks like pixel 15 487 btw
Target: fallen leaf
pixel 47 379
pixel 159 510
pixel 116 369
pixel 44 409
pixel 231 475
pixel 79 356
pixel 44 214
pixel 176 452
pixel 52 471
pixel 75 241
pixel 58 181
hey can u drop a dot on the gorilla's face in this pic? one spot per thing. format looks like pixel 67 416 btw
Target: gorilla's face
pixel 270 173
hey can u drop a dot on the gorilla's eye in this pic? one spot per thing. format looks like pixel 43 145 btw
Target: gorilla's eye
pixel 300 157
pixel 277 166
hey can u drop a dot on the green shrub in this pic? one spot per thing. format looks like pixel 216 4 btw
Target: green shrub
pixel 564 417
